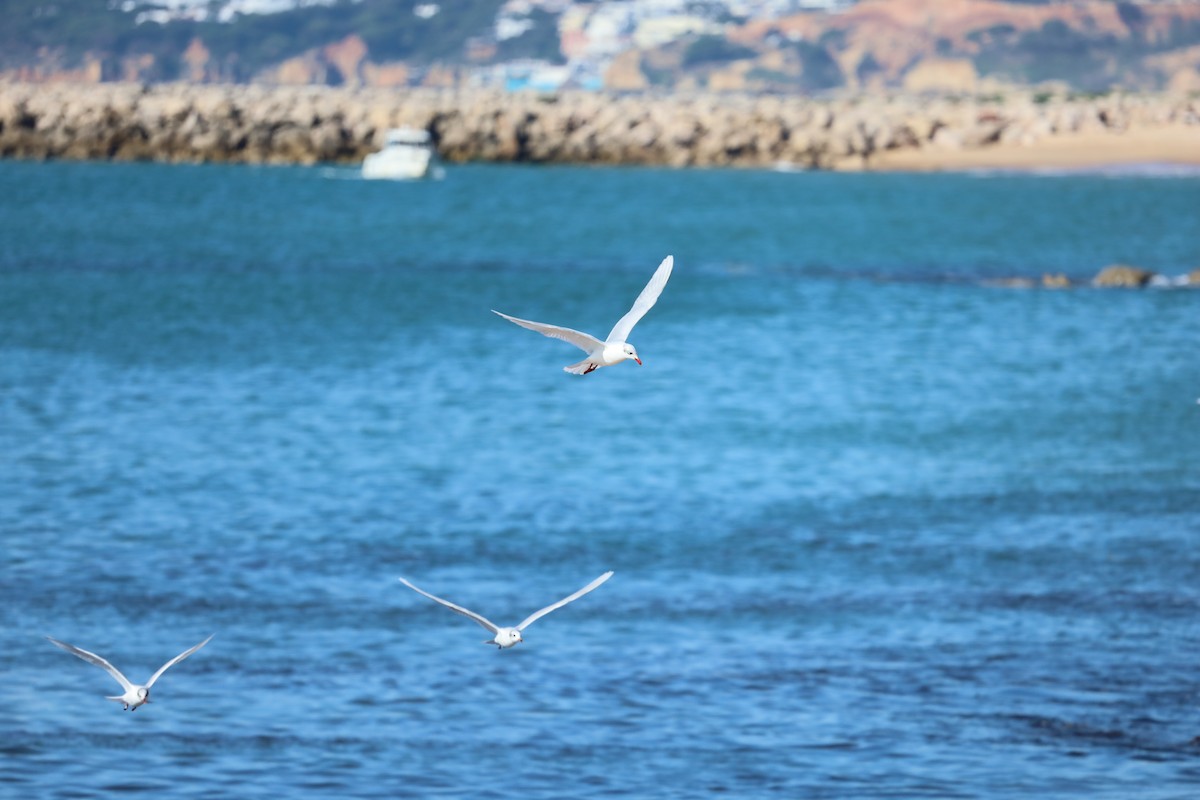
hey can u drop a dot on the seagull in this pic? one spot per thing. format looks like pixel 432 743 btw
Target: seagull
pixel 134 695
pixel 507 637
pixel 614 349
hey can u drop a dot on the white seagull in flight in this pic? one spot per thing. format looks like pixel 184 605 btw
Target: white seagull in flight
pixel 614 349
pixel 507 637
pixel 135 695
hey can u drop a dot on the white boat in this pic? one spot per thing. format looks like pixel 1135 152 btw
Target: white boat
pixel 407 153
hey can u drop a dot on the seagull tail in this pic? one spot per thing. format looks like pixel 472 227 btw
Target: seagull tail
pixel 581 367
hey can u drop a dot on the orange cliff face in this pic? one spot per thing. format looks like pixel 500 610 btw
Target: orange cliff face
pixel 873 44
pixel 347 57
pixel 197 59
pixel 899 34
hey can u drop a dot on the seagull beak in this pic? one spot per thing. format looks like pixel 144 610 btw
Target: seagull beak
pixel 635 358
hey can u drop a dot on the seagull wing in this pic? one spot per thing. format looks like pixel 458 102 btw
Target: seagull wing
pixel 484 621
pixel 92 658
pixel 584 341
pixel 535 616
pixel 175 661
pixel 645 301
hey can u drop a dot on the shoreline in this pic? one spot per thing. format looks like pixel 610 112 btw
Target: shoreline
pixel 1175 147
pixel 256 124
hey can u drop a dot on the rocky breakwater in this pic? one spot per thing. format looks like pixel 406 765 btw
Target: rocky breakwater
pixel 305 125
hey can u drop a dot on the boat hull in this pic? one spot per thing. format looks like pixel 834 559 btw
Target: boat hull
pixel 397 164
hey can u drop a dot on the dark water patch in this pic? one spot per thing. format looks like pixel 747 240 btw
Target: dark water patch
pixel 1159 604
pixel 1137 741
pixel 135 788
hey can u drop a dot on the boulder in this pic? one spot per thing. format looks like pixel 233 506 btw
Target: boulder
pixel 1124 276
pixel 1019 282
pixel 304 124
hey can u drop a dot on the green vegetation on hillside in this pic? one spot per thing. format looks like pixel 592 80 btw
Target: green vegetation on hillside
pixel 75 29
pixel 819 69
pixel 540 41
pixel 710 49
pixel 1087 59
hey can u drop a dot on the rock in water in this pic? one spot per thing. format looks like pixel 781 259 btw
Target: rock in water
pixel 1123 275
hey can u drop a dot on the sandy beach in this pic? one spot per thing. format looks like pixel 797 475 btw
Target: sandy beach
pixel 1173 145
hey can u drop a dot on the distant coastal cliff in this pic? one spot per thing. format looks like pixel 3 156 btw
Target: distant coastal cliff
pixel 306 125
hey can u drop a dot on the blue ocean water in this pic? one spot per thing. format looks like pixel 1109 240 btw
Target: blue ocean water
pixel 880 528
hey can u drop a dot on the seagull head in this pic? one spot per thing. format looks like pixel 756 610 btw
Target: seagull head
pixel 631 352
pixel 507 637
pixel 143 694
